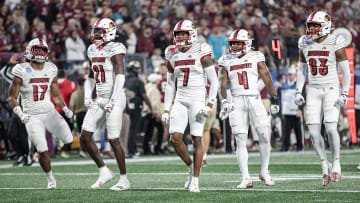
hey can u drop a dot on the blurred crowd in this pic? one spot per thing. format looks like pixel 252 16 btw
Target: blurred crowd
pixel 145 27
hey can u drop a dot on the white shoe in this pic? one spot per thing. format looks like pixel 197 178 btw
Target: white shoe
pixel 194 187
pixel 358 167
pixel 326 180
pixel 336 171
pixel 104 177
pixel 246 183
pixel 188 181
pixel 51 183
pixel 123 184
pixel 267 179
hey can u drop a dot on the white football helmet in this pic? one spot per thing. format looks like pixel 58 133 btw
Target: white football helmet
pixel 185 26
pixel 321 18
pixel 240 35
pixel 104 30
pixel 37 50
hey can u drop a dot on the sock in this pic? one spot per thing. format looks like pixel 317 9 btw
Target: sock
pixel 123 176
pixel 334 140
pixel 98 145
pixel 204 156
pixel 103 169
pixel 242 154
pixel 195 180
pixel 264 148
pixel 107 147
pixel 49 174
pixel 317 141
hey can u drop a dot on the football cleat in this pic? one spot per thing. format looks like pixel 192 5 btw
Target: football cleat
pixel 204 163
pixel 194 187
pixel 336 171
pixel 267 179
pixel 188 181
pixel 51 183
pixel 123 184
pixel 326 180
pixel 246 183
pixel 104 177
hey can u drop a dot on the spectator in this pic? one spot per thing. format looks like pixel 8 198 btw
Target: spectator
pixel 145 44
pixel 153 118
pixel 75 49
pixel 135 85
pixel 271 47
pixel 156 58
pixel 291 113
pixel 218 42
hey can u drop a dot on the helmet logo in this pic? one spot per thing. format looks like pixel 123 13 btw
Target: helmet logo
pixel 193 26
pixel 111 25
pixel 327 18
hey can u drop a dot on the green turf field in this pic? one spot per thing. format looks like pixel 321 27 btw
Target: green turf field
pixel 161 179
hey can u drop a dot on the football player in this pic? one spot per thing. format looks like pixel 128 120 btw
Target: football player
pixel 189 63
pixel 36 80
pixel 241 69
pixel 322 53
pixel 107 74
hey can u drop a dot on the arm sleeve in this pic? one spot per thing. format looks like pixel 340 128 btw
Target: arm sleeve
pixel 6 73
pixel 118 86
pixel 260 84
pixel 344 67
pixel 300 77
pixel 340 42
pixel 169 51
pixel 169 91
pixel 88 87
pixel 214 83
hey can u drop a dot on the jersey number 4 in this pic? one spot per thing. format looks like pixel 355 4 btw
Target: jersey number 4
pixel 243 80
pixel 36 92
pixel 99 70
pixel 313 66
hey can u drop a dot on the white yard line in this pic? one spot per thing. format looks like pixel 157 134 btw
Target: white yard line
pixel 176 158
pixel 207 189
pixel 254 177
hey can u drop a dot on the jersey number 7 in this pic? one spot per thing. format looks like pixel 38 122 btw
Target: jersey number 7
pixel 36 92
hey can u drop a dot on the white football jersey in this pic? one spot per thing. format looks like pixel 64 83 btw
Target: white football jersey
pixel 102 67
pixel 35 87
pixel 188 69
pixel 242 72
pixel 321 59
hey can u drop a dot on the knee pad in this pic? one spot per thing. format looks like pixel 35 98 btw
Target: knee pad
pixel 331 128
pixel 241 139
pixel 264 134
pixel 314 130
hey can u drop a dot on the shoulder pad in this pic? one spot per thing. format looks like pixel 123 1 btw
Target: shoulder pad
pixel 340 42
pixel 170 51
pixel 19 70
pixel 116 48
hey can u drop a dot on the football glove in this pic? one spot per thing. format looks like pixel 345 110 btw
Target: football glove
pixel 165 117
pixel 203 113
pixel 299 99
pixel 68 112
pixel 342 100
pixel 226 108
pixel 109 106
pixel 274 108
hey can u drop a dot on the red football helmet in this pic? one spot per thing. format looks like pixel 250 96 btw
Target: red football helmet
pixel 321 18
pixel 37 50
pixel 242 36
pixel 185 26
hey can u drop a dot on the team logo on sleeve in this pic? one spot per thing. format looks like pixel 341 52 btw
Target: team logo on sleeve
pixel 28 70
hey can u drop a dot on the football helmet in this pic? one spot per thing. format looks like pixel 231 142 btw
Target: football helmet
pixel 240 35
pixel 321 18
pixel 104 30
pixel 185 26
pixel 37 50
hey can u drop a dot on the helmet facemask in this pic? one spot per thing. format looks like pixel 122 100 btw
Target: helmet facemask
pixel 313 30
pixel 239 47
pixel 98 36
pixel 182 38
pixel 39 53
